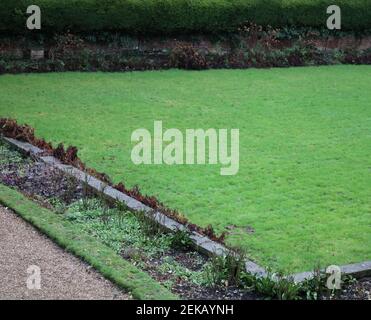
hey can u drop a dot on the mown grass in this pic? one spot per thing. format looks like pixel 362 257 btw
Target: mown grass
pixel 100 256
pixel 302 194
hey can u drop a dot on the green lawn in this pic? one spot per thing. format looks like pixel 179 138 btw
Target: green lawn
pixel 305 149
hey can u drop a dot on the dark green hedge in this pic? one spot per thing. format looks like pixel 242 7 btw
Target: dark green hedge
pixel 171 16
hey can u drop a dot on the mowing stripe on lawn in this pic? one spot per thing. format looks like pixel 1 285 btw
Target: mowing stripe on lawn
pixel 101 257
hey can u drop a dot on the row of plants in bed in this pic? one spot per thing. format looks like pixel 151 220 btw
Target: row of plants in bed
pixel 253 46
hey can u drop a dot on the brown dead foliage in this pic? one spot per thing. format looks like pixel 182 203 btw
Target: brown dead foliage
pixel 11 129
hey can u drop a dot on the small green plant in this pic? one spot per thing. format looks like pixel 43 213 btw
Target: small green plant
pixel 176 271
pixel 9 156
pixel 120 206
pixel 168 284
pixel 273 285
pixel 84 210
pixel 59 206
pixel 228 269
pixel 181 240
pixel 120 218
pixel 314 287
pixel 148 223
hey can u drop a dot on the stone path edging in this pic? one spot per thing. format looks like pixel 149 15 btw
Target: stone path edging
pixel 201 243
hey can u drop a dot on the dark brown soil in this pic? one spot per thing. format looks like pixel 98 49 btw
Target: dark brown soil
pixel 358 290
pixel 39 179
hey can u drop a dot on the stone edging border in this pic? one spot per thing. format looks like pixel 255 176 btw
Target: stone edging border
pixel 201 243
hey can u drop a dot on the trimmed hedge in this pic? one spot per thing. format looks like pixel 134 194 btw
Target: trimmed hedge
pixel 175 16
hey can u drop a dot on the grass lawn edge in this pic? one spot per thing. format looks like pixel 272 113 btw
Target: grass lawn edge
pixel 84 246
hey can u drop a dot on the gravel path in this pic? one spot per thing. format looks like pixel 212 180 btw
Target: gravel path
pixel 63 276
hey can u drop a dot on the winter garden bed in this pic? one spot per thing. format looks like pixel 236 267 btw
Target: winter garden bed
pixel 304 150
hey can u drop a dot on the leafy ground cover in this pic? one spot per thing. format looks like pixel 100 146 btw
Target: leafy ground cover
pixel 302 192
